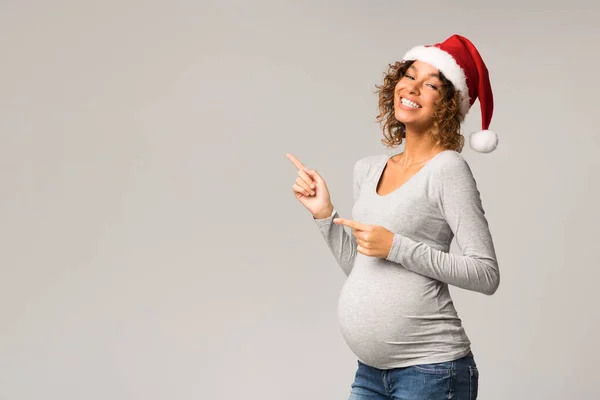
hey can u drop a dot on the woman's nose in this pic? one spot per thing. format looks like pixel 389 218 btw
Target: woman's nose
pixel 411 87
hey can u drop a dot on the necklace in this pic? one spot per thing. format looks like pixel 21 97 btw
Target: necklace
pixel 416 162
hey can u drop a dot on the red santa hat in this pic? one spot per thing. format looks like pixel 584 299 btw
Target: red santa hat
pixel 460 62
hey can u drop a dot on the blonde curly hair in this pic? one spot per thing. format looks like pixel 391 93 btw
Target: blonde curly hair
pixel 446 120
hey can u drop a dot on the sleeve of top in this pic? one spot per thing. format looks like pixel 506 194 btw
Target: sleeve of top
pixel 477 268
pixel 341 243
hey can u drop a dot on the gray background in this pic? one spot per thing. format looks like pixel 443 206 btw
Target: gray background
pixel 151 244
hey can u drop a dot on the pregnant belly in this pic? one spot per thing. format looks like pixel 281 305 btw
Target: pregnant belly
pixel 384 308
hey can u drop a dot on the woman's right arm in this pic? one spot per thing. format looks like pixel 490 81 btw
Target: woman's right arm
pixel 341 243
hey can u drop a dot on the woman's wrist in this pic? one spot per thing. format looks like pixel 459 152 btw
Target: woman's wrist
pixel 326 212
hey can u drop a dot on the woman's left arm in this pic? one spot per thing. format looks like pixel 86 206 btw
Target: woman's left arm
pixel 477 268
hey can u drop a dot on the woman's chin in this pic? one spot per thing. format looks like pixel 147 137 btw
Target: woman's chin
pixel 411 120
pixel 402 117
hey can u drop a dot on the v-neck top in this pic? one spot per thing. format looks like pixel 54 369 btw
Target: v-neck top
pixel 381 169
pixel 397 311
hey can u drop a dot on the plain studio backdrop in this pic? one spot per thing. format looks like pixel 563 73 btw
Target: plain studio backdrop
pixel 152 247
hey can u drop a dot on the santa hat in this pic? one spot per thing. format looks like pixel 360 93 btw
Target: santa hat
pixel 460 62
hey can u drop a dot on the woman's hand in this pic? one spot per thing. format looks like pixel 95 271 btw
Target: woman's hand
pixel 311 190
pixel 372 240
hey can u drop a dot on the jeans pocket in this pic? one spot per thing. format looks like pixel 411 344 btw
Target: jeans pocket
pixel 435 368
pixel 473 382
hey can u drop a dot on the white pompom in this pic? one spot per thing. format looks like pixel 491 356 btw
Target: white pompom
pixel 484 141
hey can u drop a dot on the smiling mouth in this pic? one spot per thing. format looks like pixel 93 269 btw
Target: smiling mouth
pixel 409 103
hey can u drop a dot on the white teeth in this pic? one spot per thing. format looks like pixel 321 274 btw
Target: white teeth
pixel 409 103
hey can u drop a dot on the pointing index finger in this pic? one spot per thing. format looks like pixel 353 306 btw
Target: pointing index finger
pixel 295 161
pixel 350 223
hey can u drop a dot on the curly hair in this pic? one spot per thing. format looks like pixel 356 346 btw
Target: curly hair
pixel 446 119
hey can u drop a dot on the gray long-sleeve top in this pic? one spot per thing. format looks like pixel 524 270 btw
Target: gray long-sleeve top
pixel 397 311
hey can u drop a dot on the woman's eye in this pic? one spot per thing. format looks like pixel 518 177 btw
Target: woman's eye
pixel 432 86
pixel 409 76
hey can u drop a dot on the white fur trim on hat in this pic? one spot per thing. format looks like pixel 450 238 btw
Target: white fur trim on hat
pixel 448 66
pixel 484 141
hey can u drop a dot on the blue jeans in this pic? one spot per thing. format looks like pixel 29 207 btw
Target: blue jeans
pixel 457 380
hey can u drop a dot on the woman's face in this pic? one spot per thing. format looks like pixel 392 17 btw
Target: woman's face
pixel 415 95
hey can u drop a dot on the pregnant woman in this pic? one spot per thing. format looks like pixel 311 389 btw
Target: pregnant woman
pixel 395 310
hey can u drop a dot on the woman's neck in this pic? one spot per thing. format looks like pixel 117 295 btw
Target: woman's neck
pixel 418 148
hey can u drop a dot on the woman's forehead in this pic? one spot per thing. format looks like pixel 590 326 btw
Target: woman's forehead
pixel 424 67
